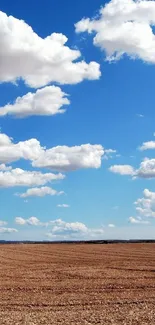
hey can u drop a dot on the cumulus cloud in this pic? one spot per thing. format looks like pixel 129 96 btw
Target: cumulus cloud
pixel 145 170
pixel 72 230
pixel 45 101
pixel 63 158
pixel 138 220
pixel 5 140
pixel 10 151
pixel 60 229
pixel 40 191
pixel 7 230
pixel 4 167
pixel 122 169
pixel 32 221
pixel 3 223
pixel 147 145
pixel 63 206
pixel 145 206
pixel 39 61
pixel 123 27
pixel 60 158
pixel 59 226
pixel 20 177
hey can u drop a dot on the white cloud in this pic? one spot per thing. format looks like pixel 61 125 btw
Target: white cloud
pixel 20 177
pixel 63 206
pixel 38 61
pixel 7 230
pixel 111 225
pixel 109 153
pixel 9 151
pixel 46 101
pixel 59 226
pixel 146 206
pixel 140 115
pixel 147 145
pixel 122 169
pixel 20 221
pixel 5 140
pixel 60 229
pixel 145 170
pixel 32 221
pixel 124 27
pixel 72 230
pixel 40 191
pixel 4 167
pixel 63 158
pixel 138 220
pixel 3 223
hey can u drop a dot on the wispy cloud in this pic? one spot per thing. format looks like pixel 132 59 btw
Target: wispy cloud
pixel 63 206
pixel 111 225
pixel 40 192
pixel 140 115
pixel 7 230
pixel 138 220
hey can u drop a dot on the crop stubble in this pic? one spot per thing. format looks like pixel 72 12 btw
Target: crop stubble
pixel 77 284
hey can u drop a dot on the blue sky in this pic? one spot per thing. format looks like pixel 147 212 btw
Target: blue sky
pixel 108 184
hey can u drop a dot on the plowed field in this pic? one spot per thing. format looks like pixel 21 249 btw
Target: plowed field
pixel 77 284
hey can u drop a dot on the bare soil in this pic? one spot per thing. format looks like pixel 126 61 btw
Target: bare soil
pixel 77 284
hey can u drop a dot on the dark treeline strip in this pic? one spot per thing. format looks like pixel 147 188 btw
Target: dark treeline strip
pixel 79 242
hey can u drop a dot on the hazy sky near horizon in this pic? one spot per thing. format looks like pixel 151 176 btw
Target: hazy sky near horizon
pixel 77 119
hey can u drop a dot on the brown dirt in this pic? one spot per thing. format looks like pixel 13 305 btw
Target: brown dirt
pixel 77 284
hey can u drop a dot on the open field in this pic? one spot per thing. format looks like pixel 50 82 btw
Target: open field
pixel 77 284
